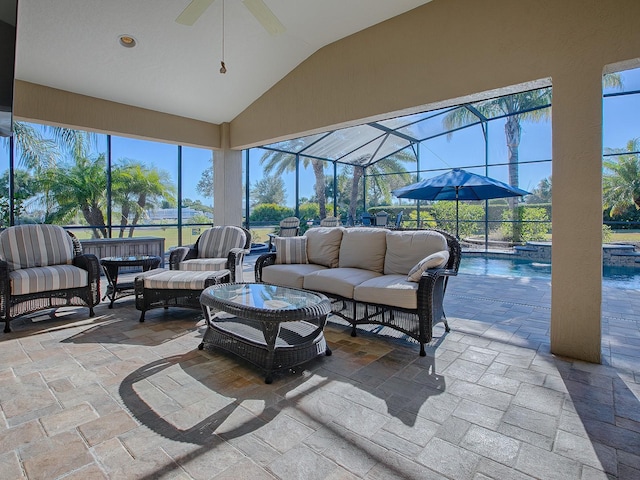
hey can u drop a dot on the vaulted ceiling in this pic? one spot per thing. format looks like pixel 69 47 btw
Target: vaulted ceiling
pixel 73 45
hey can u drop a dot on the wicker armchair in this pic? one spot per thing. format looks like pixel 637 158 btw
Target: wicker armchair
pixel 217 248
pixel 289 227
pixel 41 267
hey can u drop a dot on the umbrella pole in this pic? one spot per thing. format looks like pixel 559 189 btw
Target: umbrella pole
pixel 457 218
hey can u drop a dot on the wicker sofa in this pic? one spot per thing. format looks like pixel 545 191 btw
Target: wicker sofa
pixel 395 278
pixel 41 267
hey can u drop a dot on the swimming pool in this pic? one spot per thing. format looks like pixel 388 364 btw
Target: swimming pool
pixel 617 277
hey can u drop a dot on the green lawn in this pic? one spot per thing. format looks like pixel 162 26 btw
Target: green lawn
pixel 626 236
pixel 170 234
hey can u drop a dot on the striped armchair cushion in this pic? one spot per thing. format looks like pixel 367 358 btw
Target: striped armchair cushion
pixel 175 279
pixel 217 242
pixel 204 264
pixel 289 227
pixel 45 279
pixel 29 246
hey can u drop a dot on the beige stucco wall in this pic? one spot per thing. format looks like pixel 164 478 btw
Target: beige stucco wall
pixel 437 54
pixel 58 107
pixel 451 49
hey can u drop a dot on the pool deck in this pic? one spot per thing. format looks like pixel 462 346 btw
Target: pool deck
pixel 112 398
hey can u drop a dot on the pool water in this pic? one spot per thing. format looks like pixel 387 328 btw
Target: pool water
pixel 617 277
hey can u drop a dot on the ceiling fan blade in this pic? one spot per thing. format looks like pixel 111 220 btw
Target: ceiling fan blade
pixel 265 16
pixel 193 11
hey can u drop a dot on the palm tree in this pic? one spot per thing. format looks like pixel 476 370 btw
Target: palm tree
pixel 137 188
pixel 42 155
pixel 516 108
pixel 78 187
pixel 621 179
pixel 391 164
pixel 281 162
pixel 35 151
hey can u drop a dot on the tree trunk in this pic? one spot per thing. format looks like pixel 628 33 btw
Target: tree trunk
pixel 124 218
pixel 94 217
pixel 142 201
pixel 358 172
pixel 512 130
pixel 318 170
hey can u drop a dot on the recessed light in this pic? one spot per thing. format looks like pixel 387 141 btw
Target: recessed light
pixel 127 41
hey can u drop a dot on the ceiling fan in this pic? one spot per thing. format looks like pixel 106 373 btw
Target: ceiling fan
pixel 257 7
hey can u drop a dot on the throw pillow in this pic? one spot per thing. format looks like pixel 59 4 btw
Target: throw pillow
pixel 435 260
pixel 291 249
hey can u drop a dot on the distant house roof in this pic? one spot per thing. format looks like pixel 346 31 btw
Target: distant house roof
pixel 172 213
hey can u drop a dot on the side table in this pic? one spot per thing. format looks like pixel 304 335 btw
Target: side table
pixel 111 266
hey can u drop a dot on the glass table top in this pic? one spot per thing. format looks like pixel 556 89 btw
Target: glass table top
pixel 264 296
pixel 129 258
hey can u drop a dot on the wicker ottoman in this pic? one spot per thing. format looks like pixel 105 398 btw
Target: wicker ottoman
pixel 174 288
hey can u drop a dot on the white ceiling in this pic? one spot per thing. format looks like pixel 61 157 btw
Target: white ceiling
pixel 73 45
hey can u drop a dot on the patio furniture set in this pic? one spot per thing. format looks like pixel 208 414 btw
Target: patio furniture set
pixel 364 275
pixel 394 278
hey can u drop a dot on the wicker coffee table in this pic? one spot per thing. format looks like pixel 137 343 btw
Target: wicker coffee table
pixel 272 327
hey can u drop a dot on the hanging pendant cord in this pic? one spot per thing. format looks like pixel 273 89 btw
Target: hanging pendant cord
pixel 223 67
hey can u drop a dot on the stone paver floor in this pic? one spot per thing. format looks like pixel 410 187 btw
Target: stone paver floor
pixel 109 397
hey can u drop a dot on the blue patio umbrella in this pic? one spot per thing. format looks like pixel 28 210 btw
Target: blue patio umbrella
pixel 457 185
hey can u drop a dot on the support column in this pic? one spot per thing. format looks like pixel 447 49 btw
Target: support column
pixel 227 182
pixel 576 298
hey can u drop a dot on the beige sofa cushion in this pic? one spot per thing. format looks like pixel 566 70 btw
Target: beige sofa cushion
pixel 406 249
pixel 338 281
pixel 435 260
pixel 323 245
pixel 393 290
pixel 289 275
pixel 364 248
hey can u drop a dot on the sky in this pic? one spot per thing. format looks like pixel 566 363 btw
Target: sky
pixel 621 123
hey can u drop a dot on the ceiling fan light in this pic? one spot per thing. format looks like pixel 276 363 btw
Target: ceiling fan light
pixel 127 41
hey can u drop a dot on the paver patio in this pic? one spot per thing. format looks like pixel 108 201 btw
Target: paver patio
pixel 110 397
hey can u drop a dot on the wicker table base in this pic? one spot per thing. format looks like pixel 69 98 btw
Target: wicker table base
pixel 272 327
pixel 112 265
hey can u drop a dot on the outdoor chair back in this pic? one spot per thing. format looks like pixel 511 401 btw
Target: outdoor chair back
pixel 289 227
pixel 399 220
pixel 330 222
pixel 381 219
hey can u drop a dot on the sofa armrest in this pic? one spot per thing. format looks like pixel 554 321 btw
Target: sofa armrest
pixel 90 263
pixel 235 259
pixel 5 289
pixel 263 261
pixel 180 254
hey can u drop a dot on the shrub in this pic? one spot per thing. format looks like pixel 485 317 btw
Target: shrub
pixel 528 225
pixel 270 212
pixel 607 234
pixel 469 217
